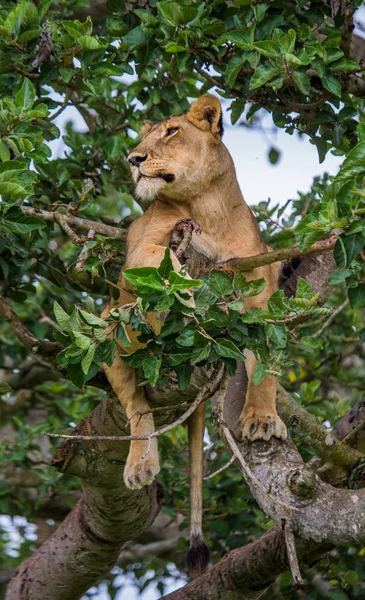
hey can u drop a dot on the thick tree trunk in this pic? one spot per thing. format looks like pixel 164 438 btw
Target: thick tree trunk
pixel 88 542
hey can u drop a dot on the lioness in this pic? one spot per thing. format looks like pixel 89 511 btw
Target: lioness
pixel 183 166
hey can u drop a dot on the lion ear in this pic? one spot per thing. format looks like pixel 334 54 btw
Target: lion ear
pixel 146 127
pixel 206 113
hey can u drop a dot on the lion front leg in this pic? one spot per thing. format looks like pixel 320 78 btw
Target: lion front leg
pixel 143 462
pixel 259 419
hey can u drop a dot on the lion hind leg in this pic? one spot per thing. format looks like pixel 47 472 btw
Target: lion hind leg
pixel 143 461
pixel 259 419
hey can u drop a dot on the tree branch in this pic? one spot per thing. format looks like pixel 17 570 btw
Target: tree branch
pixel 78 222
pixel 267 258
pixel 35 345
pixel 326 446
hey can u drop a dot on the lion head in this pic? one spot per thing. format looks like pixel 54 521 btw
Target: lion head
pixel 180 156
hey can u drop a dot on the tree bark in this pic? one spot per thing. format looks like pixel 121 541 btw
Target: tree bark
pixel 88 542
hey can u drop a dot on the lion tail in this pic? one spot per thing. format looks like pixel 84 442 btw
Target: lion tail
pixel 198 556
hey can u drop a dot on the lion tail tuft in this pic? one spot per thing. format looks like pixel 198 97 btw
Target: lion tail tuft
pixel 198 556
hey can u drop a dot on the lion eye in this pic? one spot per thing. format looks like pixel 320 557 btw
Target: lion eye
pixel 171 130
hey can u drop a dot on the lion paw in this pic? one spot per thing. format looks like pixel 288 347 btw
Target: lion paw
pixel 263 427
pixel 139 471
pixel 188 225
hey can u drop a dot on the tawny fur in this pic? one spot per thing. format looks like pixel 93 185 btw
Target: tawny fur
pixel 183 166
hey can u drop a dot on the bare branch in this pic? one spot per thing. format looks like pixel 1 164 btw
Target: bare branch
pixel 35 345
pixel 228 464
pixel 268 258
pixel 331 318
pixel 292 555
pixel 78 222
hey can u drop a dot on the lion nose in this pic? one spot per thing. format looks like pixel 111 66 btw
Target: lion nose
pixel 137 159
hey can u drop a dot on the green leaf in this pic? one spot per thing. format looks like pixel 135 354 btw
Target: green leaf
pixel 302 82
pixel 244 288
pixel 4 152
pixel 92 319
pixel 353 165
pixel 276 304
pixel 166 265
pixel 88 358
pixel 310 344
pixel 173 47
pixel 339 276
pixel 263 74
pixel 227 349
pixel 178 358
pixel 268 48
pixel 200 353
pixel 135 37
pixel 343 65
pixel 151 368
pixel 5 387
pixel 81 340
pixel 351 577
pixel 184 373
pixel 241 39
pixel 332 84
pixel 259 373
pixel 164 303
pixel 220 284
pixel 63 319
pixel 178 282
pixel 304 290
pixel 321 146
pixel 353 245
pixel 233 68
pixel 176 14
pixel 76 375
pixel 134 275
pixel 25 97
pixel 10 168
pixel 122 335
pixel 357 296
pixel 277 334
pixel 274 155
pixel 20 223
pixel 186 337
pixel 237 108
pixel 347 248
pixel 88 42
pixel 108 351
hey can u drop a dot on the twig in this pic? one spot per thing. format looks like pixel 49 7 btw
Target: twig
pixel 141 413
pixel 331 318
pixel 60 109
pixel 62 221
pixel 86 224
pixel 267 258
pixel 292 555
pixel 228 464
pixel 35 345
pixel 149 446
pixel 204 393
pixel 80 263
